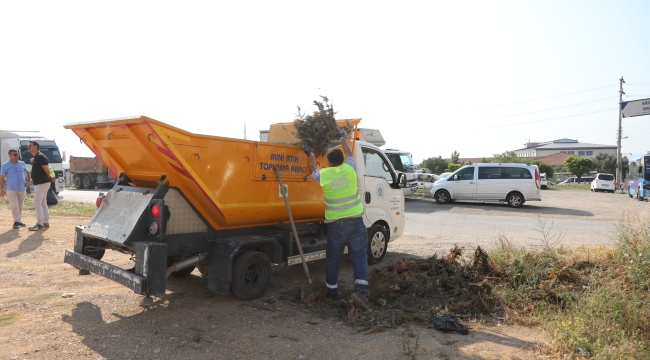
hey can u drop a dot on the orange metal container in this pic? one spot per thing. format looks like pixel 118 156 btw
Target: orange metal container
pixel 231 182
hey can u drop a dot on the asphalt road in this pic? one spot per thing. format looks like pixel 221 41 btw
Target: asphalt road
pixel 88 196
pixel 567 217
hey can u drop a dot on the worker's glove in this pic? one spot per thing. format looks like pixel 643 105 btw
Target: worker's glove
pixel 307 149
pixel 342 133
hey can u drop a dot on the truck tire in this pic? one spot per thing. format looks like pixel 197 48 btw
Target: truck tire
pixel 251 275
pixel 180 273
pixel 377 244
pixel 77 182
pixel 88 182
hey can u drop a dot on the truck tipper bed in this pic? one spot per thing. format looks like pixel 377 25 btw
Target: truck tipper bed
pixel 184 200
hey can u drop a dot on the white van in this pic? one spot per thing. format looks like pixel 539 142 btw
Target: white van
pixel 512 183
pixel 603 182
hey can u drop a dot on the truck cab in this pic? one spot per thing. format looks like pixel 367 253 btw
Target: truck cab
pixel 403 163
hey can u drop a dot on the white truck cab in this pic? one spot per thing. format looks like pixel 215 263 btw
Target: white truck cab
pixel 403 163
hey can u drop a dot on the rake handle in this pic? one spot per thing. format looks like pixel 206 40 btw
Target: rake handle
pixel 293 225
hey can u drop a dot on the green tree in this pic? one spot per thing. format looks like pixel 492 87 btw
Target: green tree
pixel 485 160
pixel 454 157
pixel 544 168
pixel 506 157
pixel 578 165
pixel 606 163
pixel 436 165
pixel 453 167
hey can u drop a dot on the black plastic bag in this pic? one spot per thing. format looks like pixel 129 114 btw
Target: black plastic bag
pixel 51 197
pixel 449 322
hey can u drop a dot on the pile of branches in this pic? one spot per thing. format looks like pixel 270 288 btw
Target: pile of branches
pixel 319 130
pixel 417 290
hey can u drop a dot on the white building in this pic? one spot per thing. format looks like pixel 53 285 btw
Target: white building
pixel 565 146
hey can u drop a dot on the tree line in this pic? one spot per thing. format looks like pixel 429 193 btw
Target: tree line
pixel 603 163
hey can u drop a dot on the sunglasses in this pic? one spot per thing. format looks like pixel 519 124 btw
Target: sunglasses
pixel 14 154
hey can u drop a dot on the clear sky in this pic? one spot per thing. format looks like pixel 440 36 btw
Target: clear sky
pixel 479 77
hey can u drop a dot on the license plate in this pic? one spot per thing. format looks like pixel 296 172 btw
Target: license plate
pixel 605 185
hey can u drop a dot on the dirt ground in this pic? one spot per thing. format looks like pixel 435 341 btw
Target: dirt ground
pixel 48 311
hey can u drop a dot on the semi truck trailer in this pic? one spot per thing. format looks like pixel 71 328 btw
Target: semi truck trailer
pixel 184 201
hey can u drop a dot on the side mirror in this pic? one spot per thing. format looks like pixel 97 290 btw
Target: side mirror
pixel 63 157
pixel 401 180
pixel 640 169
pixel 455 177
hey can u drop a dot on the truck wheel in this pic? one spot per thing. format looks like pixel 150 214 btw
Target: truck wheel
pixel 377 244
pixel 251 275
pixel 88 182
pixel 180 273
pixel 77 182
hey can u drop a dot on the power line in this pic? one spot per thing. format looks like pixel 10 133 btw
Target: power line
pixel 513 115
pixel 515 124
pixel 526 101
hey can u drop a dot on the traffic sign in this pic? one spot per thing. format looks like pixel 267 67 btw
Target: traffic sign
pixel 635 108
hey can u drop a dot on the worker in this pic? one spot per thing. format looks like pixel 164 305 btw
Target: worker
pixel 18 178
pixel 344 221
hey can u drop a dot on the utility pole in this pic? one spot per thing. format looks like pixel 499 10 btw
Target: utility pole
pixel 619 160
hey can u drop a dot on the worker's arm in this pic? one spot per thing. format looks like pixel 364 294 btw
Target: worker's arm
pixel 312 162
pixel 347 150
pixel 29 178
pixel 47 171
pixel 2 186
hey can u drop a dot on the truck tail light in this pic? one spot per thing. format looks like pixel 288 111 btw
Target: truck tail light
pixel 99 200
pixel 537 177
pixel 155 210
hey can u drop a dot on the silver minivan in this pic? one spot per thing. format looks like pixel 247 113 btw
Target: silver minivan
pixel 511 183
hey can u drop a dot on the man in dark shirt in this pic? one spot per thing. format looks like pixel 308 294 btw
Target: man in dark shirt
pixel 42 179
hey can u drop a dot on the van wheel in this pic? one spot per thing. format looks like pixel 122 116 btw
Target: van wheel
pixel 442 197
pixel 77 183
pixel 251 275
pixel 377 244
pixel 515 199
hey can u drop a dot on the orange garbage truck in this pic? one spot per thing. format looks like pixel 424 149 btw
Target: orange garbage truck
pixel 184 201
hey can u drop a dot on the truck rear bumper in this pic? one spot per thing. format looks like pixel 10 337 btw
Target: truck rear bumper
pixel 132 281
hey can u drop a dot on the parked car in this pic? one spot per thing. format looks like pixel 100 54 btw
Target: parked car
pixel 512 183
pixel 574 180
pixel 425 181
pixel 603 182
pixel 543 182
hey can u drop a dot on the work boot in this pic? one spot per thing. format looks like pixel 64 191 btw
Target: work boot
pixel 21 224
pixel 360 300
pixel 17 225
pixel 46 225
pixel 36 227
